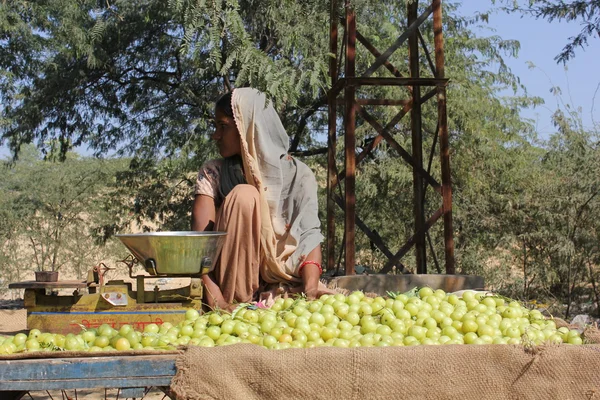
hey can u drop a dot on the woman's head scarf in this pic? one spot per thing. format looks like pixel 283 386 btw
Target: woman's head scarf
pixel 287 187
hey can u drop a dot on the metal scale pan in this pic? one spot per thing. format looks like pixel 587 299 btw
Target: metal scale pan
pixel 175 253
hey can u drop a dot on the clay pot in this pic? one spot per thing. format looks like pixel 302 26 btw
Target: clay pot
pixel 46 276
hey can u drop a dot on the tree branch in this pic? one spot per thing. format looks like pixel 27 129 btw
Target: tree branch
pixel 311 152
pixel 304 120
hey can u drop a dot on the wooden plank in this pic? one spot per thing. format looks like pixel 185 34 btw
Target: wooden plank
pixel 47 285
pixel 128 371
pixel 68 384
pixel 350 143
pixel 384 81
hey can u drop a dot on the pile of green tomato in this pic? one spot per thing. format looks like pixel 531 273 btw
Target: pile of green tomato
pixel 428 317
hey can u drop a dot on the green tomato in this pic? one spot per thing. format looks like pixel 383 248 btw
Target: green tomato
pixel 191 314
pixel 32 345
pixel 215 319
pixel 133 338
pixel 187 330
pixel 150 328
pixel 122 344
pixel 101 341
pixel 125 329
pixel 89 336
pixel 418 332
pixel 469 326
pixel 213 332
pixel 269 341
pixel 425 292
pixel 71 343
pixel 34 333
pixel 19 339
pixel 227 326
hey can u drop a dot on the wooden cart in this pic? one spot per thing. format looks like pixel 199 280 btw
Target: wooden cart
pixel 132 374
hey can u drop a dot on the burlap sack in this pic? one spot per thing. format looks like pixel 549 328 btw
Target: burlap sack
pixel 463 372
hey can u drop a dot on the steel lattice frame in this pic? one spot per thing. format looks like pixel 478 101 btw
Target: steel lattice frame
pixel 353 106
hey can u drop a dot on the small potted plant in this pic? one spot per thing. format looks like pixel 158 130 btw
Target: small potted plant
pixel 46 252
pixel 46 276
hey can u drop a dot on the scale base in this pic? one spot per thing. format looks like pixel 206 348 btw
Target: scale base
pixel 115 304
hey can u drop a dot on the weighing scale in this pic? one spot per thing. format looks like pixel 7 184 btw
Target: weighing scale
pixel 94 302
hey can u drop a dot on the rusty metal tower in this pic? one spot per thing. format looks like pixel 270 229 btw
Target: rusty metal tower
pixel 343 91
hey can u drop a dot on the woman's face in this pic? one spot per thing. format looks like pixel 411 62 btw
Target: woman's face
pixel 226 135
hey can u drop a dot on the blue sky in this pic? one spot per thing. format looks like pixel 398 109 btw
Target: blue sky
pixel 540 42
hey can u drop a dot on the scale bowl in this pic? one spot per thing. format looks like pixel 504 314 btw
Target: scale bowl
pixel 175 253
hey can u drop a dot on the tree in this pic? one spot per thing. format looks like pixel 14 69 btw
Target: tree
pixel 50 210
pixel 564 244
pixel 141 76
pixel 585 11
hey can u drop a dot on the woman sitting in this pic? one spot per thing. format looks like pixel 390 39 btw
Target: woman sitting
pixel 265 200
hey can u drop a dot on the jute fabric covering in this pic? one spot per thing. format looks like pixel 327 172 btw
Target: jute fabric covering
pixel 245 371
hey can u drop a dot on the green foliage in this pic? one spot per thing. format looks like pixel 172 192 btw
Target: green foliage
pixel 141 76
pixel 563 242
pixel 49 209
pixel 527 217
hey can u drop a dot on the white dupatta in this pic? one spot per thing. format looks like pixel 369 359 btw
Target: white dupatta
pixel 287 187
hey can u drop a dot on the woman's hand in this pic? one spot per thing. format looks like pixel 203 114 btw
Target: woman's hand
pixel 312 294
pixel 213 296
pixel 311 291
